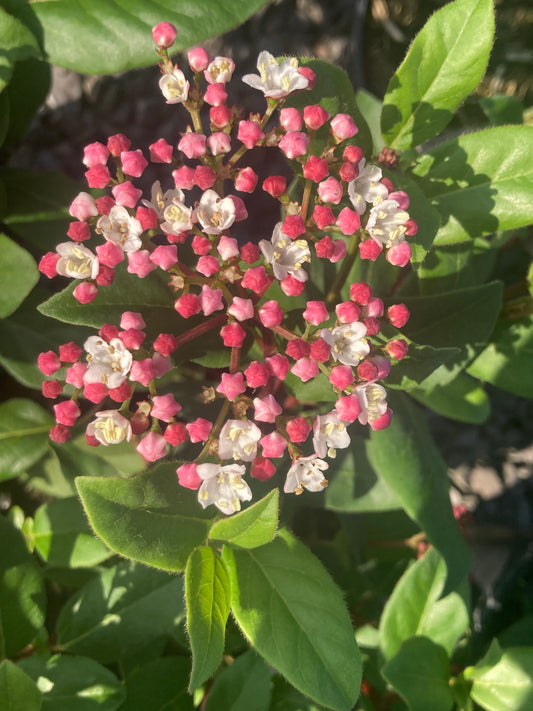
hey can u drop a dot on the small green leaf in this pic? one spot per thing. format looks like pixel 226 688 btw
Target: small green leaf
pixel 243 686
pixel 445 63
pixel 503 680
pixel 207 594
pixel 74 683
pixel 463 399
pixel 122 609
pixel 294 615
pixel 480 183
pixel 252 527
pixel 420 673
pixel 24 428
pixel 316 390
pixel 406 457
pixel 62 535
pixel 22 593
pixel 417 608
pixel 17 691
pixel 159 685
pixel 166 518
pixel 103 38
pixel 18 275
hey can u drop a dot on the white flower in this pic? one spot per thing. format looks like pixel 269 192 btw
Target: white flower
pixel 276 80
pixel 76 261
pixel 238 440
pixel 366 187
pixel 306 473
pixel 159 200
pixel 108 363
pixel 386 223
pixel 214 213
pixel 110 427
pixel 178 217
pixel 220 70
pixel 223 486
pixel 348 344
pixel 174 87
pixel 121 228
pixel 286 255
pixel 373 400
pixel 329 434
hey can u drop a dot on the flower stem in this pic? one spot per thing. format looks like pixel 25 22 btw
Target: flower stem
pixel 342 275
pixel 200 330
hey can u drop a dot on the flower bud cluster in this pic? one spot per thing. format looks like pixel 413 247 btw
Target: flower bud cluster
pixel 345 210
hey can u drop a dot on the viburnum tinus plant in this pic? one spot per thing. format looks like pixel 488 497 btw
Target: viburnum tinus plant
pixel 214 359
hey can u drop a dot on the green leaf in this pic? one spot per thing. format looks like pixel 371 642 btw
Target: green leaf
pixel 159 685
pixel 35 77
pixel 22 594
pixel 419 364
pixel 292 612
pixel 24 428
pixel 125 607
pixel 316 390
pixel 370 107
pixel 5 109
pixel 420 673
pixel 445 63
pixel 17 43
pixel 18 275
pixel 62 535
pixel 480 182
pixel 17 691
pixel 149 296
pixel 243 686
pixel 406 457
pixel 519 634
pixel 207 594
pixel 166 518
pixel 354 486
pixel 74 683
pixel 502 110
pixel 105 38
pixel 503 681
pixel 506 361
pixel 463 399
pixel 417 608
pixel 252 527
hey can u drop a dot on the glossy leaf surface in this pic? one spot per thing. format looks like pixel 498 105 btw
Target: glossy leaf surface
pixel 252 527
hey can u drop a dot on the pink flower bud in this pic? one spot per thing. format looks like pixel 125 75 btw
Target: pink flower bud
pixel 383 365
pixel 367 371
pixel 188 476
pixel 411 228
pixel 324 248
pixel 67 412
pixel 142 371
pixel 275 185
pixel 315 116
pixel 292 286
pixel 85 292
pixel 256 280
pixel 60 434
pixel 273 444
pixel 204 177
pixel 47 265
pixel 293 226
pixel 207 265
pixel 401 197
pixel 165 407
pixel 70 352
pixel 257 374
pixel 372 325
pixel 95 392
pixel 294 144
pixel 343 127
pixel 271 314
pixel 242 309
pixel 108 331
pixel 330 190
pixel 133 163
pixel 349 221
pixel 199 429
pixel 51 389
pixel 210 300
pixel 220 116
pixel 227 247
pixel 118 143
pixel 399 254
pixel 79 231
pixel 360 292
pixel 132 338
pixel 219 143
pixel 290 119
pixel 231 385
pixel 184 177
pixel 246 180
pixel 165 344
pixel 323 216
pixel 316 312
pixel 341 376
pixel 266 409
pixel 398 315
pixel 160 365
pixel 98 176
pixel 339 250
pixel 126 194
pixel 48 362
pixel 250 252
pixel 380 423
pixel 316 169
pixel 104 204
pixel 95 154
pixel 262 469
pixel 320 350
pixel 187 305
pixel 249 133
pixel 374 307
pixel 109 254
pixel 216 95
pixel 278 365
pixel 397 348
pixel 194 145
pixel 309 74
pixel 83 206
pixel 388 184
pixel 233 335
pixel 369 249
pixel 348 172
pixel 305 369
pixel 165 256
pixel 176 434
pixel 120 394
pixel 297 348
pixel 198 59
pixel 348 408
pixel 298 429
pixel 353 154
pixel 152 447
pixel 164 34
pixel 161 151
pixel 74 374
pixel 105 276
pixel 139 263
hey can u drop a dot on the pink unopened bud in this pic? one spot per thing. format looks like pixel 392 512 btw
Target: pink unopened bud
pixel 165 407
pixel 372 325
pixel 161 151
pixel 320 350
pixel 188 476
pixel 184 177
pixel 85 292
pixel 298 429
pixel 79 231
pixel 343 127
pixel 198 59
pixel 316 312
pixel 250 252
pixel 74 374
pixel 256 280
pixel 118 143
pixel 341 376
pixel 380 423
pixel 246 180
pixel 323 216
pixel 324 248
pixel 60 434
pixel 210 300
pixel 233 335
pixel 353 154
pixel 374 307
pixel 242 309
pixel 98 176
pixel 126 194
pixel 297 348
pixel 315 116
pixel 231 385
pixel 152 447
pixel 95 392
pixel 290 119
pixel 274 445
pixel 305 368
pixel 241 213
pixel 309 74
pixel 347 312
pixel 348 172
pixel 349 221
pixel 262 469
pixel 275 185
pixel 411 228
pixel 399 254
pixel 397 348
pixel 105 276
pixel 369 249
pixel 208 265
pixel 316 169
pixel 176 434
pixel 199 429
pixel 48 264
pixel 278 365
pixel 133 163
pixel 330 190
pixel 187 305
pixel 220 116
pixel 164 34
pixel 193 145
pixel 294 144
pixel 132 338
pixel 108 331
pixel 360 292
pixel 293 226
pixel 67 412
pixel 165 256
pixel 142 371
pixel 227 247
pixel 271 314
pixel 139 263
pixel 257 374
pixel 51 389
pixel 70 352
pixel 83 206
pixel 109 254
pixel 165 344
pixel 348 408
pixel 398 315
pixel 266 409
pixel 48 362
pixel 339 250
pixel 95 154
pixel 122 393
pixel 104 204
pixel 216 95
pixel 249 133
pixel 292 286
pixel 367 371
pixel 204 177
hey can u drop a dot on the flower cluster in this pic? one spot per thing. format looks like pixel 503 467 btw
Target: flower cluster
pixel 253 295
